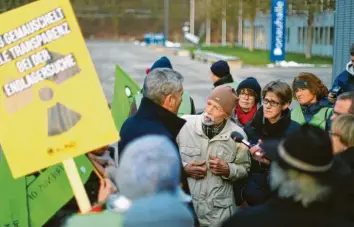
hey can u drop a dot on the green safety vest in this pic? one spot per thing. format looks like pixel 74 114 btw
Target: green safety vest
pixel 184 109
pixel 319 119
pixel 125 88
pixel 234 85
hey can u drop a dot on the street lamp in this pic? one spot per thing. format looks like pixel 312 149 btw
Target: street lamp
pixel 192 15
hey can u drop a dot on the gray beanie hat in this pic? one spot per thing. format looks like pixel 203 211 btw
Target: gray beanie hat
pixel 150 164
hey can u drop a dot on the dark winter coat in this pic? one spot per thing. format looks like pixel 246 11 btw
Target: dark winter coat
pixel 257 190
pixel 345 81
pixel 286 213
pixel 150 119
pixel 347 206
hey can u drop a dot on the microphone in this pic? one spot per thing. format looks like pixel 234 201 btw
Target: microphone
pixel 237 137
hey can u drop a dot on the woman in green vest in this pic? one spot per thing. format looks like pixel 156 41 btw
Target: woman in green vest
pixel 314 106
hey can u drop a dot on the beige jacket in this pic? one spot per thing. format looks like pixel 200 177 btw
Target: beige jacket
pixel 213 197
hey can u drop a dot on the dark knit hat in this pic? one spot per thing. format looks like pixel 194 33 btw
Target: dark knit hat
pixel 308 149
pixel 163 62
pixel 225 97
pixel 250 83
pixel 220 69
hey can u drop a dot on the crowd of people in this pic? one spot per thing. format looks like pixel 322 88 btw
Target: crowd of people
pixel 284 167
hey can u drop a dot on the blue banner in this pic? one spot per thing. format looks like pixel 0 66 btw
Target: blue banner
pixel 278 36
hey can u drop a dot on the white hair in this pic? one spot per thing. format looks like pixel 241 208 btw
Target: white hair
pixel 301 187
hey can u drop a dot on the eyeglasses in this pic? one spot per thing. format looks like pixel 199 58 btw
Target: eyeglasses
pixel 245 95
pixel 271 102
pixel 333 134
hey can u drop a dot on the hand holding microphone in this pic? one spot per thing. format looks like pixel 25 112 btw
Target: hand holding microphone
pixel 256 151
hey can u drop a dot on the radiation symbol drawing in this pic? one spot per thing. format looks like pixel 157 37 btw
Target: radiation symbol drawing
pixel 60 117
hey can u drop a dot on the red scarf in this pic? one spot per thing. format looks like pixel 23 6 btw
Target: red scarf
pixel 243 117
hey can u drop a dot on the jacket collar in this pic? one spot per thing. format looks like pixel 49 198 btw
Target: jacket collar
pixel 223 135
pixel 170 120
pixel 265 128
pixel 315 107
pixel 224 80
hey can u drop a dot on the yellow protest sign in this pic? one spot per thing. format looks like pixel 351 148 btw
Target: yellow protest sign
pixel 52 105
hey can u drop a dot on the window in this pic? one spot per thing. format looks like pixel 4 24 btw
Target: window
pixel 304 35
pixel 299 35
pixel 315 35
pixel 287 35
pixel 331 35
pixel 322 37
pixel 318 35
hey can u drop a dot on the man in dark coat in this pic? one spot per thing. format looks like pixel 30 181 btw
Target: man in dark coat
pixel 157 114
pixel 302 179
pixel 162 91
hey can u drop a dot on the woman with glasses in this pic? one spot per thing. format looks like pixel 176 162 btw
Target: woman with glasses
pixel 314 107
pixel 271 122
pixel 249 94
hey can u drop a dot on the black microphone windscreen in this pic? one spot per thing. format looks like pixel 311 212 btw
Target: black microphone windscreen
pixel 236 136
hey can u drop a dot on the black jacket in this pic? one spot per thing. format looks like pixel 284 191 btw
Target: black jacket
pixel 260 128
pixel 286 213
pixel 257 190
pixel 348 157
pixel 346 193
pixel 152 119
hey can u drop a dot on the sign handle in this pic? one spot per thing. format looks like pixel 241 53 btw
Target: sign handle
pixel 77 185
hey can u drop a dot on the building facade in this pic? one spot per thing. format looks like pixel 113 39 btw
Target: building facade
pixel 296 33
pixel 344 35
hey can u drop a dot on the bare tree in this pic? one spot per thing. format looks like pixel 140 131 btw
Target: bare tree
pixel 232 11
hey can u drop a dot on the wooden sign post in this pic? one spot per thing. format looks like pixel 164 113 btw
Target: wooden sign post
pixel 77 185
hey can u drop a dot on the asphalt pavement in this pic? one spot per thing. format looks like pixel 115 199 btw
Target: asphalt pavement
pixel 135 59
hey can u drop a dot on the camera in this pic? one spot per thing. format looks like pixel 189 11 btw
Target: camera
pixel 336 91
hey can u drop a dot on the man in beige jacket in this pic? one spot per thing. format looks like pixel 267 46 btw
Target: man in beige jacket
pixel 211 159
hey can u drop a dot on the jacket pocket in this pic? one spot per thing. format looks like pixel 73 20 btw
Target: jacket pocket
pixel 223 208
pixel 226 153
pixel 223 202
pixel 189 154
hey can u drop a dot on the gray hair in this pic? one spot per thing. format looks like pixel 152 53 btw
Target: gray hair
pixel 161 82
pixel 348 96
